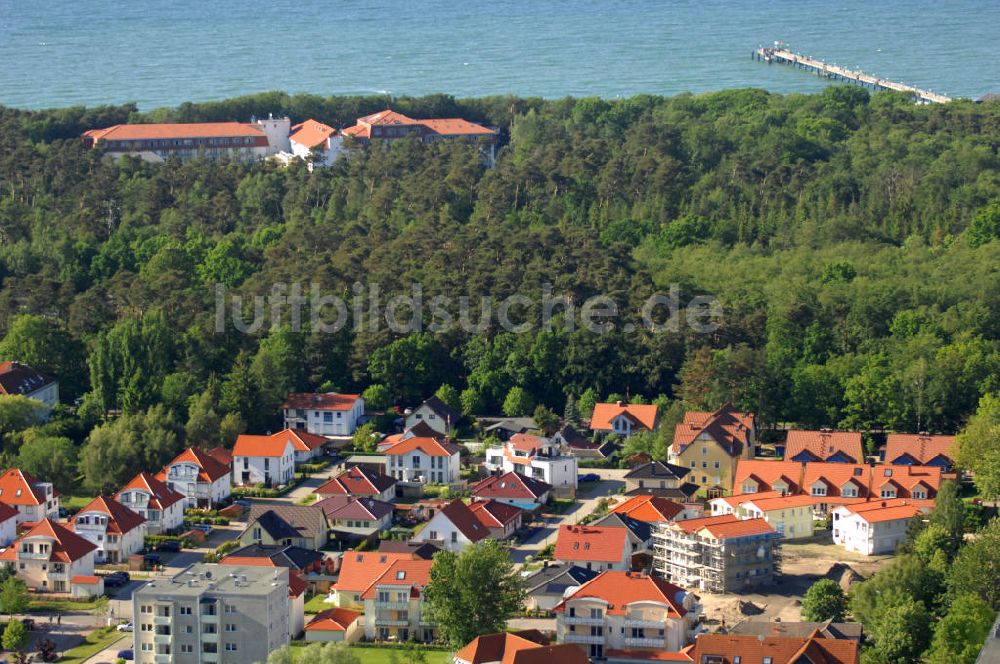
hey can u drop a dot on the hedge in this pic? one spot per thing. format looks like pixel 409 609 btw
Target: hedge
pixel 409 645
pixel 153 541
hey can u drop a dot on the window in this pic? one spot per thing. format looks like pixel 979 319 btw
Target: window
pixel 146 647
pixel 454 536
pixel 229 608
pixel 230 647
pixel 716 465
pixel 185 610
pixel 230 627
pixel 327 417
pixel 185 647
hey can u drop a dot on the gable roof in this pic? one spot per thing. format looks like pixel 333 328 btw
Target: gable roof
pixel 152 131
pixel 770 472
pixel 17 378
pixel 641 529
pixel 822 445
pixel 604 413
pixel 464 519
pixel 320 401
pixel 359 569
pixel 333 620
pixel 657 470
pixel 555 578
pixel 248 445
pixel 302 440
pixel 161 496
pixel 827 629
pixel 620 589
pixel 427 445
pixel 222 455
pixel 442 410
pixel 729 427
pixel 725 526
pixel 121 519
pixel 651 509
pixel 422 550
pixel 18 487
pixel 67 546
pixel 524 647
pixel 351 507
pixel 210 469
pixel 415 574
pixel 780 649
pixel 305 520
pixel 7 512
pixel 311 133
pixel 574 438
pixel 494 514
pixel 290 556
pixel 922 448
pixel 767 503
pixel 356 481
pixel 510 485
pixel 591 543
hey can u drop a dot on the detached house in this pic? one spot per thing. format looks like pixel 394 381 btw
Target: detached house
pixel 623 418
pixel 436 414
pixel 657 478
pixel 358 571
pixel 711 444
pixel 765 649
pixel 204 481
pixel 395 609
pixel 501 519
pixel 545 588
pixel 52 558
pixel 114 529
pixel 421 460
pixel 355 518
pixel 32 499
pixel 327 414
pixel 307 446
pixel 517 490
pixel 304 526
pixel 17 378
pixel 877 526
pixel 653 509
pixel 902 449
pixel 596 548
pixel 828 446
pixel 624 613
pixel 359 482
pixel 535 457
pixel 525 647
pixel 266 460
pixel 153 500
pixel 454 527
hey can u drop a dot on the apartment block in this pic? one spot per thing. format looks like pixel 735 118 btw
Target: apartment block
pixel 212 613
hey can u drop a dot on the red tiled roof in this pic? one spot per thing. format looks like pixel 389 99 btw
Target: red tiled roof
pixel 648 508
pixel 824 444
pixel 387 117
pixel 320 401
pixel 20 488
pixel 620 589
pixel 494 514
pixel 350 507
pixel 596 543
pixel 358 570
pixel 413 573
pixel 650 655
pixel 510 485
pixel 7 512
pixel 604 413
pixel 356 482
pixel 334 620
pixel 922 448
pixel 210 467
pixel 311 133
pixel 492 647
pixel 429 446
pixel 301 440
pixel 85 580
pixel 161 496
pixel 67 546
pixel 526 442
pixel 727 426
pixel 463 518
pixel 769 472
pixel 260 446
pixel 17 378
pixel 139 132
pixel 222 455
pixel 907 477
pixel 725 526
pixel 296 584
pixel 456 127
pixel 767 503
pixel 779 649
pixel 120 518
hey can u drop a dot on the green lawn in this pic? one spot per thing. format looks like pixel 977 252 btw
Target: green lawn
pixel 316 604
pixel 381 655
pixel 94 643
pixel 74 503
pixel 55 604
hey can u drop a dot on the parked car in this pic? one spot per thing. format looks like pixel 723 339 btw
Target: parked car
pixel 125 627
pixel 204 527
pixel 589 477
pixel 169 546
pixel 127 655
pixel 117 579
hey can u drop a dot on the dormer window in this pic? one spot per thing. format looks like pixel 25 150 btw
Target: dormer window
pixel 888 472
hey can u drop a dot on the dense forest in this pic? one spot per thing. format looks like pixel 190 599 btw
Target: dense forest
pixel 852 241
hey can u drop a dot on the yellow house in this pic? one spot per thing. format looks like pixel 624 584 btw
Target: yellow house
pixel 711 444
pixel 791 516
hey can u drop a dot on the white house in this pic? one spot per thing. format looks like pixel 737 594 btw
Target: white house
pixel 308 446
pixel 114 529
pixel 203 480
pixel 791 516
pixel 877 526
pixel 535 457
pixel 626 611
pixel 17 378
pixel 267 460
pixel 315 142
pixel 8 524
pixel 420 459
pixel 32 499
pixel 436 414
pixel 454 527
pixel 52 558
pixel 328 414
pixel 153 500
pixel 623 418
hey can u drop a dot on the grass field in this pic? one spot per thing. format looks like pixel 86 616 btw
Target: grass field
pixel 94 643
pixel 54 604
pixel 383 655
pixel 74 503
pixel 316 604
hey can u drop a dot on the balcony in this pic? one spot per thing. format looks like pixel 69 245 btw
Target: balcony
pixel 637 642
pixel 392 606
pixel 581 620
pixel 385 622
pixel 161 620
pixel 163 657
pixel 644 624
pixel 583 638
pixel 162 638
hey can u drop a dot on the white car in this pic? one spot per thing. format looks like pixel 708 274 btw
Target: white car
pixel 125 627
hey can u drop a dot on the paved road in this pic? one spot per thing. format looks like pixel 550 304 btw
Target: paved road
pixel 110 654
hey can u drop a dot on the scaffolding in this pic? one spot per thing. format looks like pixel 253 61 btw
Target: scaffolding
pixel 712 565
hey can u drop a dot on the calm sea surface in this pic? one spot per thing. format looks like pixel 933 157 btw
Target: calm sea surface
pixel 65 52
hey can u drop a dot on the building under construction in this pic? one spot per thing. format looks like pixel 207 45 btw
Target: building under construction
pixel 717 554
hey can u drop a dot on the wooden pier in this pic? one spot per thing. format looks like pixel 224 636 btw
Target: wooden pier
pixel 783 56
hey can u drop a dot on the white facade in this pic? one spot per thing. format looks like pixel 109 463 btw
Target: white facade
pixel 183 477
pixel 394 614
pixel 420 467
pixel 269 470
pixel 49 508
pixel 276 130
pixel 325 421
pixel 424 413
pixel 441 529
pixel 111 547
pixel 544 463
pixel 323 155
pixel 48 395
pixel 854 533
pixel 157 521
pixel 8 531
